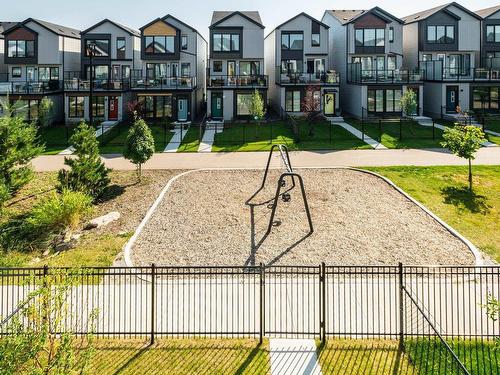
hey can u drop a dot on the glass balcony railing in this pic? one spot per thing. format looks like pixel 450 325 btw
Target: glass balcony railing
pixel 323 78
pixel 30 87
pixel 237 81
pixel 168 83
pixel 435 71
pixel 399 76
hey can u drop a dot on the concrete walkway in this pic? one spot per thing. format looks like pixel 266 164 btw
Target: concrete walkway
pixel 293 357
pixel 105 127
pixel 319 159
pixel 207 141
pixel 358 134
pixel 175 142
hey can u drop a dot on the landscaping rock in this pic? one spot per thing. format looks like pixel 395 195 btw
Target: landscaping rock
pixel 103 220
pixel 66 242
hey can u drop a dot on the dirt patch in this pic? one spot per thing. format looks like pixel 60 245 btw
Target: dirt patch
pixel 358 219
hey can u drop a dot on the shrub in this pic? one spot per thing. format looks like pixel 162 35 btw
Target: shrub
pixel 87 172
pixel 140 145
pixel 4 194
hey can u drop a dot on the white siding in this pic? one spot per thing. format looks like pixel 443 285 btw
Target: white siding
pixel 469 30
pixel 72 53
pixel 410 45
pixel 253 36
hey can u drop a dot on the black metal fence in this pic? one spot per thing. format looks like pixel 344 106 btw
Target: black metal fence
pixel 401 129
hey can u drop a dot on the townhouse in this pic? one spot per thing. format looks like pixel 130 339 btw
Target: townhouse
pixel 486 97
pixel 445 42
pixel 171 83
pixel 366 46
pixel 112 51
pixel 4 26
pixel 296 60
pixel 36 55
pixel 236 64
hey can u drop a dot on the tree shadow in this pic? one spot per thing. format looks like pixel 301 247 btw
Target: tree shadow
pixel 114 191
pixel 464 199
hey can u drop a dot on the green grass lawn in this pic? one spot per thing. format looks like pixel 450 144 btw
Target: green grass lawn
pixel 55 138
pixel 444 191
pixel 249 137
pixel 179 357
pixel 191 141
pixel 413 134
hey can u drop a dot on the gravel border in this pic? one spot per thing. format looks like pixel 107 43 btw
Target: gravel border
pixel 129 246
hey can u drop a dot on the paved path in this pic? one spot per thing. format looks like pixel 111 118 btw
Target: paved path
pixel 207 141
pixel 105 127
pixel 294 357
pixel 357 133
pixel 175 142
pixel 354 158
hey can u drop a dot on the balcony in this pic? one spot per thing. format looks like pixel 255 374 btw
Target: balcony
pixel 256 81
pixel 78 84
pixel 434 71
pixel 396 76
pixel 328 78
pixel 30 87
pixel 165 83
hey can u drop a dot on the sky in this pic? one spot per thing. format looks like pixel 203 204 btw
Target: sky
pixel 136 13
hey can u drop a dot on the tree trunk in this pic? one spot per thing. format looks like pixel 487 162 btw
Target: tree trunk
pixel 470 175
pixel 139 171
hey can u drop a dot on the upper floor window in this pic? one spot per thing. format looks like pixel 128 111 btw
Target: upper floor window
pixel 16 72
pixel 48 73
pixel 218 66
pixel 370 37
pixel 120 48
pixel 426 57
pixel 315 40
pixel 184 42
pixel 226 42
pixel 159 44
pixel 493 34
pixel 97 47
pixel 292 41
pixel 441 34
pixel 391 34
pixel 21 48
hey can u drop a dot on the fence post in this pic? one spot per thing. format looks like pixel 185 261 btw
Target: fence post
pixel 380 130
pixel 400 129
pixel 262 303
pixel 484 121
pixel 363 130
pixel 322 280
pixel 433 130
pixel 331 130
pixel 153 304
pixel 271 140
pixel 46 286
pixel 401 307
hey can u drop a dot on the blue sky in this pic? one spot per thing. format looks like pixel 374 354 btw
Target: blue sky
pixel 136 13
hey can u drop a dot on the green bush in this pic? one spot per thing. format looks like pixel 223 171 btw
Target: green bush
pixel 4 194
pixel 87 172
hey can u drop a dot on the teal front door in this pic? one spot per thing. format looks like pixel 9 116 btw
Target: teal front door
pixel 182 109
pixel 451 99
pixel 217 108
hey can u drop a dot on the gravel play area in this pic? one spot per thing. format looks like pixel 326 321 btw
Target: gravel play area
pixel 359 219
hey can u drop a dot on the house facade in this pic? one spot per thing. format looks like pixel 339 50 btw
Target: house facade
pixel 366 47
pixel 171 83
pixel 113 52
pixel 445 42
pixel 36 55
pixel 236 64
pixel 296 61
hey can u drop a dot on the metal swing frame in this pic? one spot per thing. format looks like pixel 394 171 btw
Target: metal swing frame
pixel 290 173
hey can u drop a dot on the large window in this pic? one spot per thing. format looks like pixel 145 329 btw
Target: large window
pixel 243 103
pixel 292 101
pixel 120 48
pixel 101 72
pixel 28 109
pixel 370 37
pixel 381 101
pixel 493 33
pixel 441 34
pixel 292 41
pixel 218 66
pixel 159 45
pixel 185 70
pixel 21 48
pixel 76 106
pixel 98 106
pixel 48 73
pixel 485 98
pixel 157 106
pixel 249 68
pixel 226 42
pixel 16 72
pixel 291 66
pixel 97 47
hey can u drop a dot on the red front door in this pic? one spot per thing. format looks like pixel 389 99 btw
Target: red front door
pixel 113 108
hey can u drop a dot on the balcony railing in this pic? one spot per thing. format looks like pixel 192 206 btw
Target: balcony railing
pixel 357 75
pixel 238 81
pixel 324 78
pixel 434 71
pixel 77 84
pixel 166 83
pixel 30 87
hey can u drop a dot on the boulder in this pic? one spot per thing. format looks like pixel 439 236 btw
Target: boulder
pixel 103 220
pixel 66 242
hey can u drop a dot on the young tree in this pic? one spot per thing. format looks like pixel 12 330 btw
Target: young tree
pixel 45 112
pixel 18 146
pixel 140 145
pixel 311 106
pixel 257 108
pixel 87 172
pixel 409 102
pixel 464 141
pixel 135 109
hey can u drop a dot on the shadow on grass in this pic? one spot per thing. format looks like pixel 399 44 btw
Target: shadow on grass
pixel 464 199
pixel 178 356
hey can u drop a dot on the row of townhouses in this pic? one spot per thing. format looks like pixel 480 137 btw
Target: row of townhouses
pixel 358 62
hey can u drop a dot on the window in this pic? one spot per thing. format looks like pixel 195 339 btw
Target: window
pixel 243 103
pixel 441 34
pixel 184 42
pixel 292 41
pixel 384 100
pixel 157 106
pixel 226 42
pixel 48 73
pixel 125 71
pixel 76 106
pixel 249 68
pixel 97 47
pixel 292 101
pixel 159 45
pixel 100 72
pixel 493 33
pixel 98 106
pixel 391 62
pixel 391 34
pixel 185 70
pixel 16 72
pixel 218 66
pixel 427 57
pixel 315 40
pixel 370 37
pixel 291 66
pixel 120 48
pixel 231 68
pixel 21 48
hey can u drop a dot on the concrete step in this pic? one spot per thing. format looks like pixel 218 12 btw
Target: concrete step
pixel 335 119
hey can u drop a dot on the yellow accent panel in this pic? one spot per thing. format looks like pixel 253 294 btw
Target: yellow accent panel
pixel 159 28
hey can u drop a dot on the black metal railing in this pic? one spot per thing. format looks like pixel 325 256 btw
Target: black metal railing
pixel 257 81
pixel 164 83
pixel 320 78
pixel 77 84
pixel 357 75
pixel 30 87
pixel 437 71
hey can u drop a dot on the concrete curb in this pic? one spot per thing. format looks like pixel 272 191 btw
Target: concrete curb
pixel 130 243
